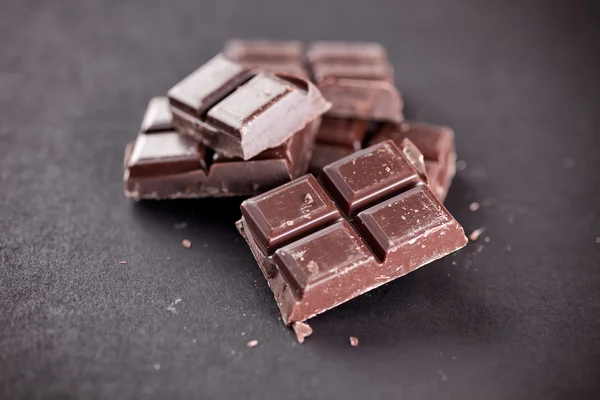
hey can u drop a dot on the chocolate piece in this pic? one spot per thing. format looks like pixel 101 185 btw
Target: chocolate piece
pixel 286 57
pixel 315 257
pixel 163 164
pixel 437 145
pixel 358 80
pixel 240 113
pixel 302 330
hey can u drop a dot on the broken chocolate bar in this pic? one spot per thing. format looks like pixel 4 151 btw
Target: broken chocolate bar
pixel 436 142
pixel 368 220
pixel 162 164
pixel 357 79
pixel 286 57
pixel 239 112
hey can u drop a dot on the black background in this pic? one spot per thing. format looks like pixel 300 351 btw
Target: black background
pixel 515 317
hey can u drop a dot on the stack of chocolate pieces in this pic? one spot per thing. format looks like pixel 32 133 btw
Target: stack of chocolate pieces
pixel 257 117
pixel 358 79
pixel 225 130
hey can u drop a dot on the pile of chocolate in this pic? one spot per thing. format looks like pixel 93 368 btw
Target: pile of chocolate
pixel 256 118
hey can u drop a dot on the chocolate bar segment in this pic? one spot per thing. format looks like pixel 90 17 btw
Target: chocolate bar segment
pixel 331 51
pixel 207 85
pixel 290 212
pixel 331 257
pixel 393 223
pixel 163 164
pixel 240 113
pixel 358 80
pixel 368 176
pixel 436 142
pixel 343 132
pixel 285 57
pixel 158 116
pixel 316 258
pixel 165 153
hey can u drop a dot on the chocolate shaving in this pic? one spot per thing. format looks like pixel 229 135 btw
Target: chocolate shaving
pixel 475 234
pixel 302 330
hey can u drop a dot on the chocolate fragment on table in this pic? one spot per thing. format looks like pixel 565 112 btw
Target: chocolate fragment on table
pixel 371 220
pixel 357 79
pixel 239 112
pixel 162 164
pixel 277 56
pixel 436 142
pixel 302 331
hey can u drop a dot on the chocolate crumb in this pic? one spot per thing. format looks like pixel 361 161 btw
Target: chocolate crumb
pixel 302 330
pixel 186 243
pixel 475 234
pixel 123 262
pixel 474 206
pixel 353 341
pixel 252 343
pixel 308 199
pixel 313 267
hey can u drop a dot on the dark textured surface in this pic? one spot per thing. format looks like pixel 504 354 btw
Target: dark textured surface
pixel 519 83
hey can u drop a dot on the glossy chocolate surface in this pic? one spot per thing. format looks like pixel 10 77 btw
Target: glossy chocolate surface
pixel 163 164
pixel 316 257
pixel 368 176
pixel 358 80
pixel 240 113
pixel 206 86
